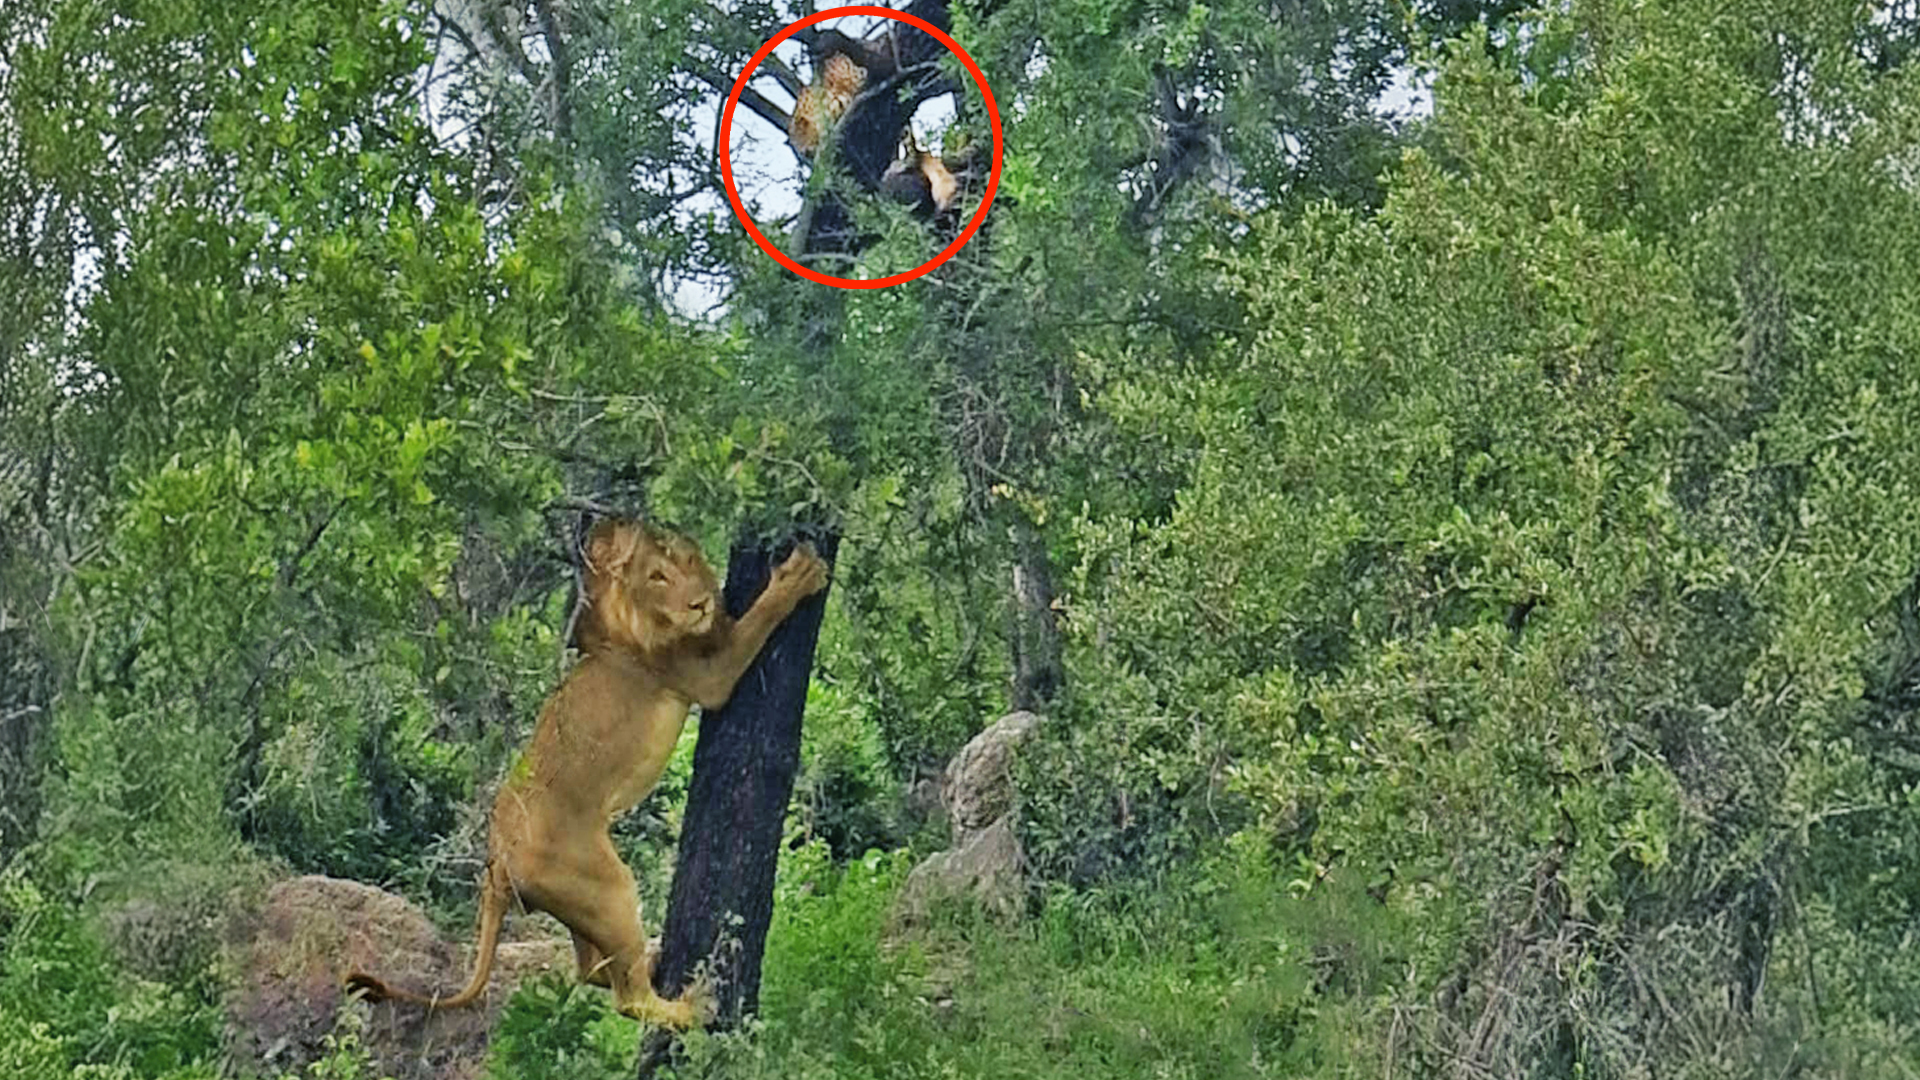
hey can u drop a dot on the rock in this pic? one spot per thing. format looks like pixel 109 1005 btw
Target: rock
pixel 311 931
pixel 985 861
pixel 925 801
pixel 988 866
pixel 979 784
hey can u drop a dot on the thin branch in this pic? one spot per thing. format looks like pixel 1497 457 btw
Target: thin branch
pixel 751 98
pixel 578 502
pixel 500 51
pixel 291 567
pixel 513 41
pixel 789 80
pixel 560 109
pixel 930 69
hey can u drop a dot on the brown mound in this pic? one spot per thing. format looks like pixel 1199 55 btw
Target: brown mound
pixel 311 931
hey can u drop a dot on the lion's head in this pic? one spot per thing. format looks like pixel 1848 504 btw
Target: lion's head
pixel 645 588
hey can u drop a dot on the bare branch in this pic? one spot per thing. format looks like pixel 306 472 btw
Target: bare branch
pixel 580 503
pixel 789 80
pixel 1184 145
pixel 559 108
pixel 749 97
pixel 497 50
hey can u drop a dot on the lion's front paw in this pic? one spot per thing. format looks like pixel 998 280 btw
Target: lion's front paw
pixel 803 574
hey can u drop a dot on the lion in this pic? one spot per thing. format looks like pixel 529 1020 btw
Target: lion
pixel 654 642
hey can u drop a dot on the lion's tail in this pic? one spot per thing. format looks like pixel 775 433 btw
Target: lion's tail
pixel 494 891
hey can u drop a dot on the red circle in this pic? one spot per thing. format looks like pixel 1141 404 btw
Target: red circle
pixel 726 149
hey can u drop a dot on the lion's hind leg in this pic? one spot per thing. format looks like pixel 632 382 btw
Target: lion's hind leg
pixel 598 903
pixel 594 968
pixel 629 965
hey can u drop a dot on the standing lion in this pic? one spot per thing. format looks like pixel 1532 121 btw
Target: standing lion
pixel 654 643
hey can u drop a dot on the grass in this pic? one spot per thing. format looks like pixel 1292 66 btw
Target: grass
pixel 1220 976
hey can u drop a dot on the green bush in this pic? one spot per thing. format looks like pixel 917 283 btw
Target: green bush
pixel 845 793
pixel 63 999
pixel 353 785
pixel 1214 973
pixel 1117 789
pixel 30 1048
pixel 164 920
pixel 554 1028
pixel 1547 549
pixel 346 1058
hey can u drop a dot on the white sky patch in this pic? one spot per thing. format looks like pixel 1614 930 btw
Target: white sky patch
pixel 1408 95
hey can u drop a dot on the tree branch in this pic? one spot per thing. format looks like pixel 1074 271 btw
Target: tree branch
pixel 497 51
pixel 789 80
pixel 751 98
pixel 1184 146
pixel 291 566
pixel 560 108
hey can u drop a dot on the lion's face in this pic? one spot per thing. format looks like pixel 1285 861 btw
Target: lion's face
pixel 674 584
pixel 645 587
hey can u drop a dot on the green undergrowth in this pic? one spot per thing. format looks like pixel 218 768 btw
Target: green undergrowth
pixel 1221 973
pixel 68 1010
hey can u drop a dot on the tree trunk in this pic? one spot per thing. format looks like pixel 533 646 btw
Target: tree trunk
pixel 1038 673
pixel 743 769
pixel 24 724
pixel 747 753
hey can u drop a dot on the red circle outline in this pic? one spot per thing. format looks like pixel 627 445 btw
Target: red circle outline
pixel 726 149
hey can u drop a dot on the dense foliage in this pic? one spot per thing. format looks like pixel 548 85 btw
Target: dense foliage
pixel 1484 543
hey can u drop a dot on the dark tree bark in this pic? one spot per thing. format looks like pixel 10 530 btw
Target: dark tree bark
pixel 1038 672
pixel 747 754
pixel 743 769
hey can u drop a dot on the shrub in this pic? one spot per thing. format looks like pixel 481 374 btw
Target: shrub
pixel 62 995
pixel 556 1029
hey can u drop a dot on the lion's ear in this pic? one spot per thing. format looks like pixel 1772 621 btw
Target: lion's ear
pixel 609 547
